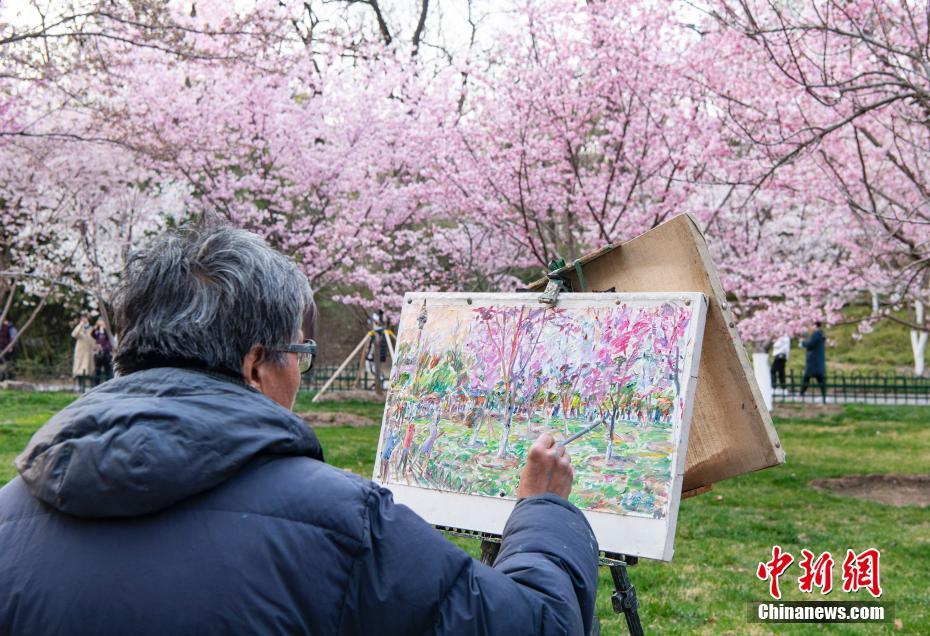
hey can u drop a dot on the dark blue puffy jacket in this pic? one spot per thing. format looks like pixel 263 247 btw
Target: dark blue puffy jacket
pixel 172 501
pixel 816 361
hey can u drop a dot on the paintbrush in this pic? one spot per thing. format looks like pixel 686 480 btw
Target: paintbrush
pixel 584 431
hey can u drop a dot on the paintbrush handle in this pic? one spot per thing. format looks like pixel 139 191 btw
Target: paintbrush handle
pixel 585 431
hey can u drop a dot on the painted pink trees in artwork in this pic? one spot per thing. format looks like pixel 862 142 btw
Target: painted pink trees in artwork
pixel 529 387
pixel 574 356
pixel 669 327
pixel 513 334
pixel 622 337
pixel 483 381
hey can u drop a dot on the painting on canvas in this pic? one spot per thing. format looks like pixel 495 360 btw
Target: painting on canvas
pixel 478 377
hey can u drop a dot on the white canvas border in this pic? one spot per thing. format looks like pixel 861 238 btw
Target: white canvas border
pixel 629 535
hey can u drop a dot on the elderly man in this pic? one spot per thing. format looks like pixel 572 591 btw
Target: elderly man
pixel 184 497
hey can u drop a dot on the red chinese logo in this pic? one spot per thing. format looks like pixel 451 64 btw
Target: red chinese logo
pixel 817 573
pixel 860 571
pixel 773 569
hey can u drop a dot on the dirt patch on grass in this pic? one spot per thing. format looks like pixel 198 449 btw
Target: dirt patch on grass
pixel 355 395
pixel 892 490
pixel 800 410
pixel 327 419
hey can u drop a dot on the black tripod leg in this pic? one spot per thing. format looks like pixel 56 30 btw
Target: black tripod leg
pixel 489 550
pixel 624 598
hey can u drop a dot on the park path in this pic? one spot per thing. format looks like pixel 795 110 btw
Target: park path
pixel 813 397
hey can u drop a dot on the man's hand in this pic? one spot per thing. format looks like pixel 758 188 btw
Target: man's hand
pixel 548 469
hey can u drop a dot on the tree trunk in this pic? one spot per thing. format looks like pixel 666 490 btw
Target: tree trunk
pixel 610 435
pixel 427 448
pixel 505 434
pixel 918 339
pixel 876 305
pixel 479 420
pixel 486 412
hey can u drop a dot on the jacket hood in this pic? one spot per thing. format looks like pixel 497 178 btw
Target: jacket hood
pixel 143 442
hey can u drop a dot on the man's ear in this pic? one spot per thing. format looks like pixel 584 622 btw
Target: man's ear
pixel 253 366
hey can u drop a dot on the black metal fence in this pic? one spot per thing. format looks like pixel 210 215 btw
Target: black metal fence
pixel 842 387
pixel 347 380
pixel 45 377
pixel 35 371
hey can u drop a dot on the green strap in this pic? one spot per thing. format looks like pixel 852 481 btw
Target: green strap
pixel 580 274
pixel 558 263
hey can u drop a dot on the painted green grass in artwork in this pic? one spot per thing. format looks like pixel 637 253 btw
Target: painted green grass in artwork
pixel 634 481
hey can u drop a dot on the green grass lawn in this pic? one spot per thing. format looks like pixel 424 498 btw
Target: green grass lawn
pixel 722 535
pixel 371 410
pixel 20 415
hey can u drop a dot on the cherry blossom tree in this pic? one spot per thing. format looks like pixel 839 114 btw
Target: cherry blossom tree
pixel 386 153
pixel 846 105
pixel 560 149
pixel 73 195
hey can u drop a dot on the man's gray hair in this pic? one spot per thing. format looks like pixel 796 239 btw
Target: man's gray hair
pixel 203 295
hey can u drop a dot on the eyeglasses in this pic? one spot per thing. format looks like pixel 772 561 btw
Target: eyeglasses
pixel 306 352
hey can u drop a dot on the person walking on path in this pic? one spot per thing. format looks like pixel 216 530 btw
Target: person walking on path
pixel 781 351
pixel 84 343
pixel 815 363
pixel 103 352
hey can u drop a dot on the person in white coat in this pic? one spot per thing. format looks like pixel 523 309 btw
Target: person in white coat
pixel 781 351
pixel 84 343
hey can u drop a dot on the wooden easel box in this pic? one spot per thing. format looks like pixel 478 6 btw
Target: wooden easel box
pixel 731 430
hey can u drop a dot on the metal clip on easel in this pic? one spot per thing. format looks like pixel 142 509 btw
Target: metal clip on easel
pixel 559 283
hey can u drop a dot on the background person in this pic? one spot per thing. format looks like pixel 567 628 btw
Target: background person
pixel 8 357
pixel 780 353
pixel 815 363
pixel 184 497
pixel 103 352
pixel 84 343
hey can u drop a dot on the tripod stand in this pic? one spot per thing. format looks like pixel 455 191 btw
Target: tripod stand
pixel 387 334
